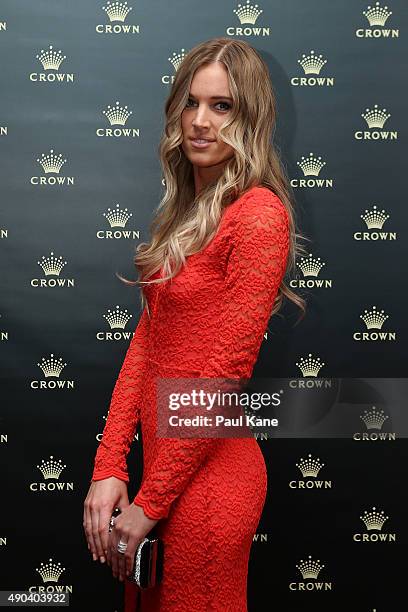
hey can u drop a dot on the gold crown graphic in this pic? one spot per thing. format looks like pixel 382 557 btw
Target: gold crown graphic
pixel 50 572
pixel 373 418
pixel 311 165
pixel 248 13
pixel 51 468
pixel 374 520
pixel 177 58
pixel 52 265
pixel 117 318
pixel 117 217
pixel 117 11
pixel 117 115
pixel 309 467
pixel 310 366
pixel 51 162
pixel 375 118
pixel 50 59
pixel 309 568
pixel 375 219
pixel 312 64
pixel 310 266
pixel 377 15
pixel 374 318
pixel 51 366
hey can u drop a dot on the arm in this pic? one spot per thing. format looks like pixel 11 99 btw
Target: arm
pixel 256 266
pixel 124 410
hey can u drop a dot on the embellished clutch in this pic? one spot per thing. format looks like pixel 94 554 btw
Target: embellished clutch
pixel 147 568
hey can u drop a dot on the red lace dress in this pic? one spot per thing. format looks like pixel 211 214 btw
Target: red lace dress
pixel 209 493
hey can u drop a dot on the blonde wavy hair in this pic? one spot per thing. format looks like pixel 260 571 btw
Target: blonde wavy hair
pixel 184 223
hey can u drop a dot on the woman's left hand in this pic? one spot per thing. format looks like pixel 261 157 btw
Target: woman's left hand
pixel 131 526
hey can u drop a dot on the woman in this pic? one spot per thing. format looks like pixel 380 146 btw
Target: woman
pixel 212 275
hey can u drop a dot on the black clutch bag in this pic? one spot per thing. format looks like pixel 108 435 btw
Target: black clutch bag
pixel 147 568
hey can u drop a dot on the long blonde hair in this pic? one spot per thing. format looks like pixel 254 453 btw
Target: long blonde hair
pixel 184 223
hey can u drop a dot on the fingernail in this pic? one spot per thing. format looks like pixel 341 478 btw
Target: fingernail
pixel 102 559
pixel 94 556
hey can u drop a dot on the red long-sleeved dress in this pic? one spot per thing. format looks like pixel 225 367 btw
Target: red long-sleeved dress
pixel 207 322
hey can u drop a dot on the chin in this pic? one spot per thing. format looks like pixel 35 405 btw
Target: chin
pixel 205 162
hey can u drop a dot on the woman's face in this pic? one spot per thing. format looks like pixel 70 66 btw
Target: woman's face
pixel 208 106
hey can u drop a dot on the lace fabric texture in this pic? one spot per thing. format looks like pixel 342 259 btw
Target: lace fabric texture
pixel 255 268
pixel 209 322
pixel 124 410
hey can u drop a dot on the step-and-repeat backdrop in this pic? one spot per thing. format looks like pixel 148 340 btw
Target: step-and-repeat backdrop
pixel 83 87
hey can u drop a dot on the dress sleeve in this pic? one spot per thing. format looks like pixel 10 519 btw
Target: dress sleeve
pixel 256 266
pixel 124 409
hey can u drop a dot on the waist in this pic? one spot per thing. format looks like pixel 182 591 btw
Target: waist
pixel 173 370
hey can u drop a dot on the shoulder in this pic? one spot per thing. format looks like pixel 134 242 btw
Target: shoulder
pixel 261 204
pixel 260 197
pixel 257 213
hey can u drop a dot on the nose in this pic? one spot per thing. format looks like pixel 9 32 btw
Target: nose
pixel 200 118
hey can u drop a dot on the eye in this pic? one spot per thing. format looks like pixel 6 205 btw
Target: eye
pixel 226 104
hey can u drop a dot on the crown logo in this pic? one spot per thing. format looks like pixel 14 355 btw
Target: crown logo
pixel 309 568
pixel 310 266
pixel 373 418
pixel 117 318
pixel 117 115
pixel 312 64
pixel 52 265
pixel 51 366
pixel 309 467
pixel 248 13
pixel 311 165
pixel 177 58
pixel 310 366
pixel 117 217
pixel 375 219
pixel 375 118
pixel 374 318
pixel 374 520
pixel 51 468
pixel 117 11
pixel 51 162
pixel 377 15
pixel 50 59
pixel 50 572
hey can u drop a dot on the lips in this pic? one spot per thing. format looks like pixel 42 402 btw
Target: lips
pixel 197 139
pixel 200 143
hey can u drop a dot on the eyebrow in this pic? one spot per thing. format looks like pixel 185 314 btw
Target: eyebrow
pixel 214 97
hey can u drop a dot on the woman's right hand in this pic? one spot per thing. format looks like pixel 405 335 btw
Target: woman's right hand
pixel 103 496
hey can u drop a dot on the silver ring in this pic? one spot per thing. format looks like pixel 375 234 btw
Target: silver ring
pixel 122 546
